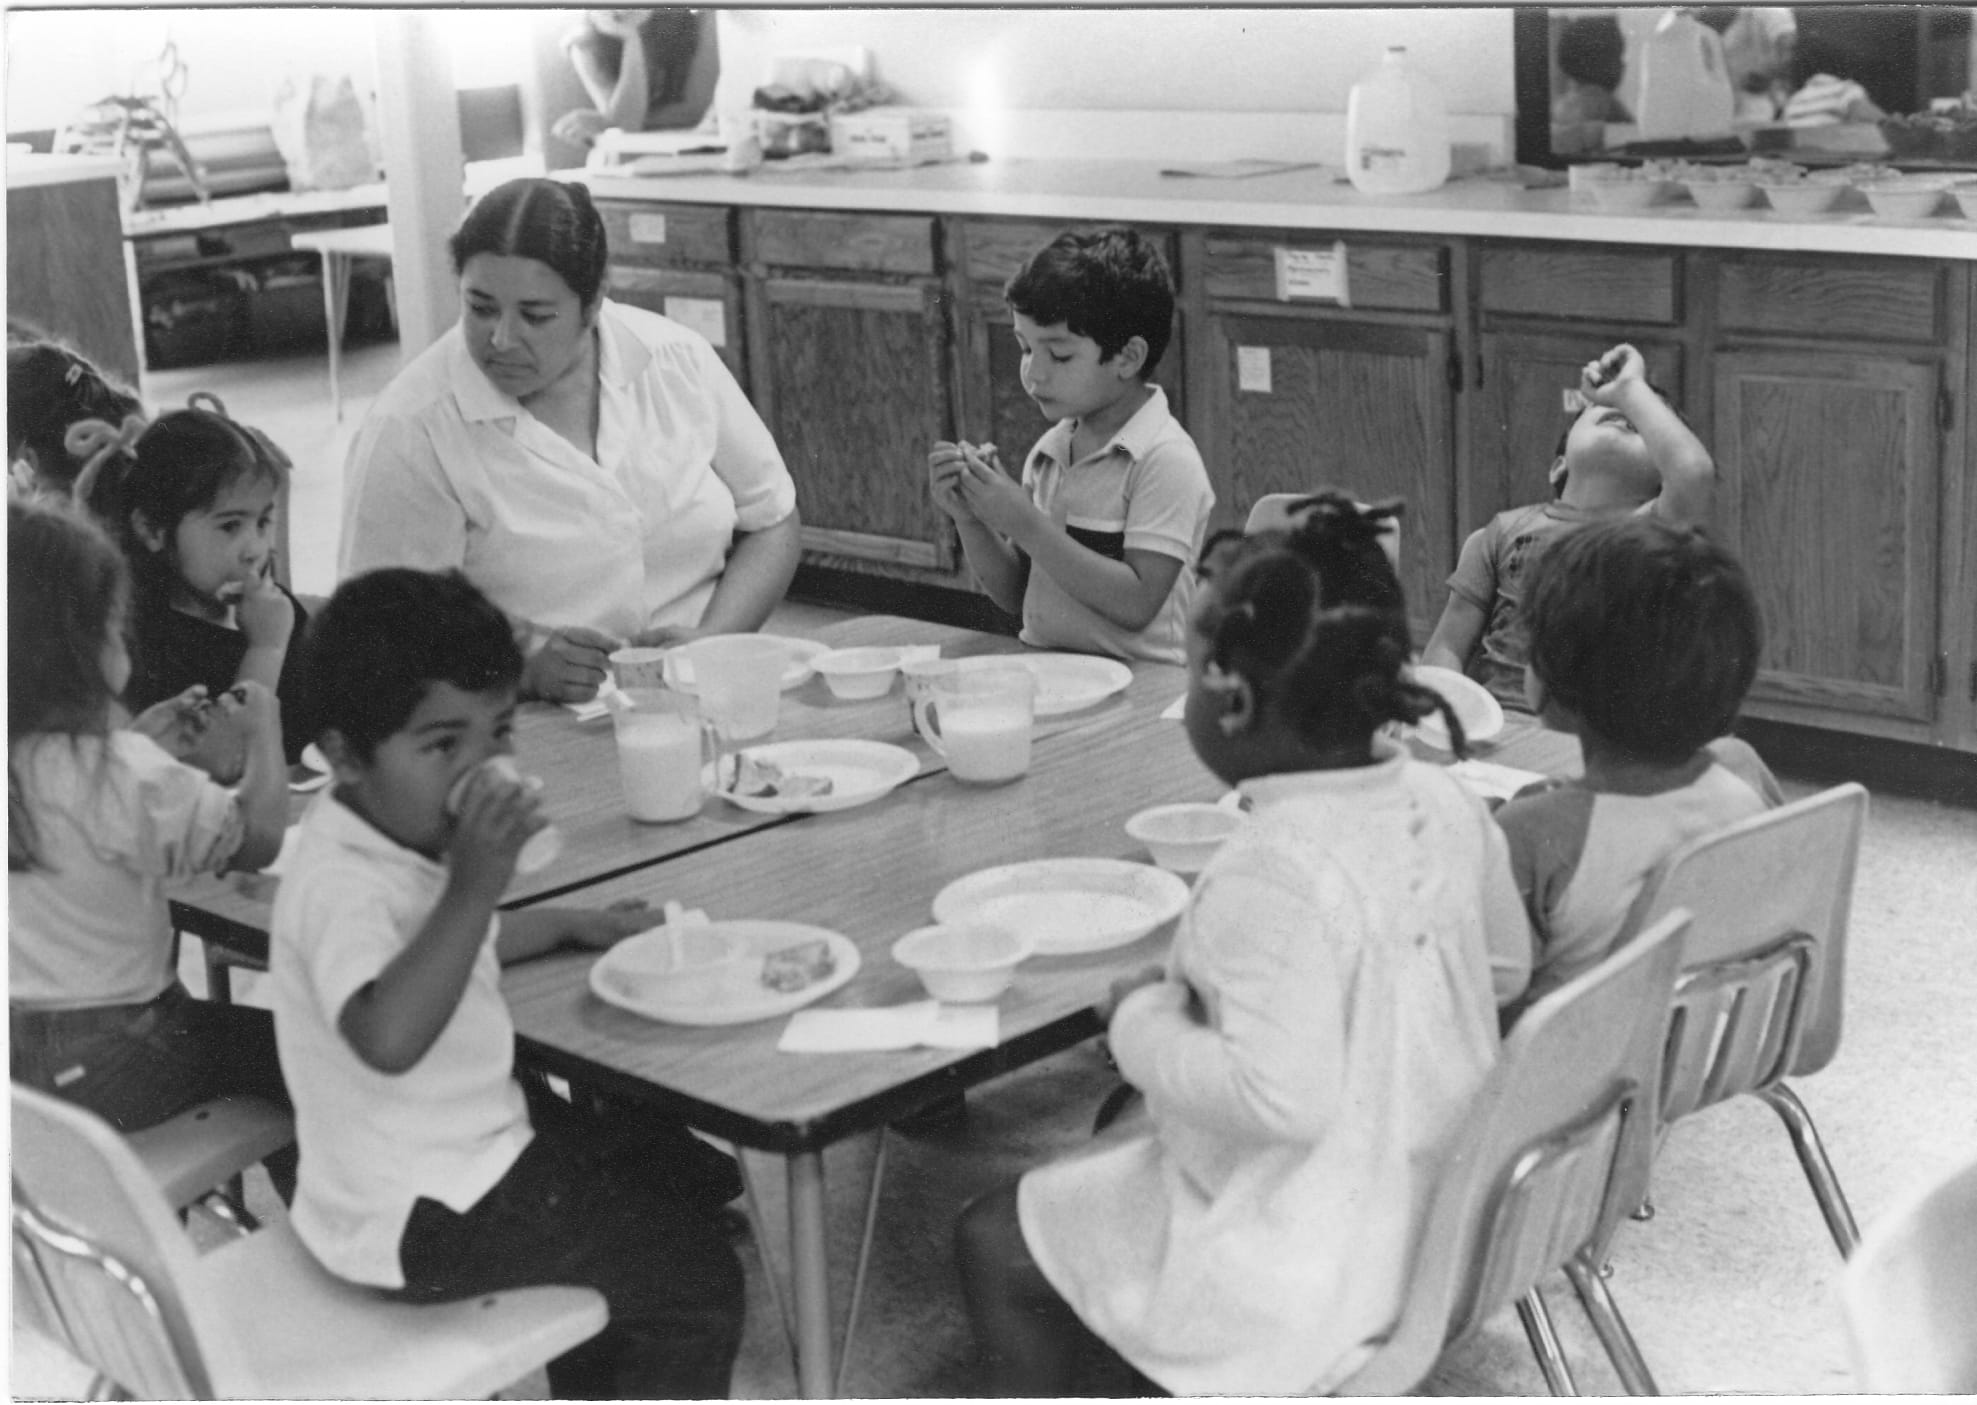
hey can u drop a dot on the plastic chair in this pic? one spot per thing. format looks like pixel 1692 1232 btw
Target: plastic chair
pixel 1553 1153
pixel 1759 996
pixel 1910 1293
pixel 198 1156
pixel 256 1318
pixel 1272 512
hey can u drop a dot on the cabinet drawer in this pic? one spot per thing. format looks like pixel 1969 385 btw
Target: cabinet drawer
pixel 854 242
pixel 1397 277
pixel 992 250
pixel 1595 285
pixel 642 233
pixel 1864 299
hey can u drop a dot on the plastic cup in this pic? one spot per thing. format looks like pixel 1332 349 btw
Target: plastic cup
pixel 542 847
pixel 667 755
pixel 639 667
pixel 979 719
pixel 920 675
pixel 740 682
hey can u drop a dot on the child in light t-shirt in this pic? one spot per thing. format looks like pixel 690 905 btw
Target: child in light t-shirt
pixel 1095 547
pixel 1644 639
pixel 427 1169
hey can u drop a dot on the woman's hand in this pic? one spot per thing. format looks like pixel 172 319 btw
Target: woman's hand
pixel 265 615
pixel 569 666
pixel 664 636
pixel 1125 986
pixel 580 127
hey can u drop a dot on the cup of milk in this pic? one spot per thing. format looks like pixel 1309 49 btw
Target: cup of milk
pixel 668 755
pixel 540 849
pixel 979 720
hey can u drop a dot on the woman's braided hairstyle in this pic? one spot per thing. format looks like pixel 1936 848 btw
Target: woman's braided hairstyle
pixel 1313 617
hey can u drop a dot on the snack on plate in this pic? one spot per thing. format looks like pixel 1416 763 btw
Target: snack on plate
pixel 764 779
pixel 795 967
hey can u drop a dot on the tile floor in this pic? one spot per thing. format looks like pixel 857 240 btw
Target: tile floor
pixel 1729 1289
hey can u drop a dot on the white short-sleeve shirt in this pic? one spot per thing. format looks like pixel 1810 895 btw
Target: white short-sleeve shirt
pixel 448 471
pixel 372 1143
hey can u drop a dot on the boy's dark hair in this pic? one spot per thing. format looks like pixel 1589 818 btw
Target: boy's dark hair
pixel 1647 630
pixel 50 388
pixel 552 222
pixel 385 637
pixel 1107 284
pixel 1315 620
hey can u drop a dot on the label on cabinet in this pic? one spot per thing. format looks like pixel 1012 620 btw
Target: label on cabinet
pixel 707 316
pixel 648 228
pixel 1253 369
pixel 1312 275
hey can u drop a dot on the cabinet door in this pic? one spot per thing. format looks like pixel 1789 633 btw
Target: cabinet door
pixel 708 302
pixel 851 377
pixel 1308 403
pixel 1519 411
pixel 1829 479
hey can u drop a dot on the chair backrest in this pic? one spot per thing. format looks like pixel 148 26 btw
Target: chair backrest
pixel 111 1255
pixel 1272 512
pixel 1910 1293
pixel 1763 966
pixel 1553 1152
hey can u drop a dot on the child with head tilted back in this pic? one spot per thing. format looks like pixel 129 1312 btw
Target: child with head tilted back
pixel 192 501
pixel 426 1167
pixel 99 820
pixel 1626 451
pixel 1326 1012
pixel 1644 640
pixel 1093 548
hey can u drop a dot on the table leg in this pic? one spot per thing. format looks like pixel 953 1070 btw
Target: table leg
pixel 809 1275
pixel 336 303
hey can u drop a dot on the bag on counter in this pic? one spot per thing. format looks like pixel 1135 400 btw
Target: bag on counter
pixel 319 130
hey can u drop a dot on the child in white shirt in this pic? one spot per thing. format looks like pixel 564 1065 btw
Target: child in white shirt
pixel 426 1168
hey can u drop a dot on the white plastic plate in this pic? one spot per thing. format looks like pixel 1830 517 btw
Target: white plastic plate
pixel 1065 682
pixel 1067 906
pixel 859 772
pixel 802 663
pixel 711 973
pixel 1481 713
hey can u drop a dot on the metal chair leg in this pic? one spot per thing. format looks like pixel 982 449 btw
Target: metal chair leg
pixel 864 1259
pixel 1818 1167
pixel 1536 1317
pixel 1621 1348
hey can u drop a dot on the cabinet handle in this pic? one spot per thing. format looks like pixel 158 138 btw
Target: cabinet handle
pixel 1455 372
pixel 1939 671
pixel 1479 370
pixel 1973 682
pixel 1945 408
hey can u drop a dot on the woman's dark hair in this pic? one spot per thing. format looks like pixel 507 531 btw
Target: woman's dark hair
pixel 1648 631
pixel 552 222
pixel 65 591
pixel 385 637
pixel 1591 50
pixel 50 388
pixel 1314 619
pixel 181 463
pixel 1107 284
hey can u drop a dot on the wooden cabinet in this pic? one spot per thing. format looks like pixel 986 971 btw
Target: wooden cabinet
pixel 679 261
pixel 848 350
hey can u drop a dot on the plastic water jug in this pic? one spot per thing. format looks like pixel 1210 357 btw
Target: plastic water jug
pixel 1685 81
pixel 1396 130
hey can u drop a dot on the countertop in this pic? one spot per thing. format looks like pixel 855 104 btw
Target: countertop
pixel 1310 198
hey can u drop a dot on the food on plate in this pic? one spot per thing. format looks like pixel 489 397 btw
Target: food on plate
pixel 792 968
pixel 760 778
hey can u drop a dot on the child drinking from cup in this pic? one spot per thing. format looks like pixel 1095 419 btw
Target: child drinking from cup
pixel 1093 548
pixel 1325 1014
pixel 427 1167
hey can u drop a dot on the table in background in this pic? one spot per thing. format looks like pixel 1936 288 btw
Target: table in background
pixel 340 249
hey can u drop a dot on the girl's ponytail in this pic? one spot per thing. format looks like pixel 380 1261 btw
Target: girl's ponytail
pixel 104 451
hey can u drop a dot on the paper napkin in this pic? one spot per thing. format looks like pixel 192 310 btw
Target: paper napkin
pixel 1491 781
pixel 925 1023
pixel 1176 710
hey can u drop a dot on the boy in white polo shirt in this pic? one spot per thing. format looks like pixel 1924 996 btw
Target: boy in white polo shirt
pixel 1095 549
pixel 426 1167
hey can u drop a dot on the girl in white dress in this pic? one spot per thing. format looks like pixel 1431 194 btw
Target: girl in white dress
pixel 1325 1014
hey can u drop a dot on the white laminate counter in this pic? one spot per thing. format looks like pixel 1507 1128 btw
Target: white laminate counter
pixel 26 169
pixel 1311 198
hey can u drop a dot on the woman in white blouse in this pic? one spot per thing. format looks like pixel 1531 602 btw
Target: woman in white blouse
pixel 593 468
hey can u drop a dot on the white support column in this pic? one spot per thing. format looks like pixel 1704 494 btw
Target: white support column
pixel 419 120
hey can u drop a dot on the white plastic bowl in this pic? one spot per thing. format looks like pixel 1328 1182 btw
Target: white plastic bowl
pixel 859 673
pixel 1182 838
pixel 1804 197
pixel 1630 193
pixel 1965 194
pixel 1901 200
pixel 963 961
pixel 1723 195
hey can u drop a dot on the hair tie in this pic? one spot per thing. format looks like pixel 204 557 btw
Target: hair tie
pixel 212 404
pixel 96 442
pixel 73 374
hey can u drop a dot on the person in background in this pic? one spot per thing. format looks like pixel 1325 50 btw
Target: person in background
pixel 634 64
pixel 1645 637
pixel 1757 49
pixel 1326 1012
pixel 1591 59
pixel 1093 549
pixel 1627 451
pixel 592 467
pixel 99 821
pixel 1822 94
pixel 192 499
pixel 427 1169
pixel 51 389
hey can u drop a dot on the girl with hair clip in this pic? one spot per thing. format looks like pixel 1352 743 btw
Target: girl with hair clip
pixel 191 498
pixel 99 820
pixel 1326 1012
pixel 50 390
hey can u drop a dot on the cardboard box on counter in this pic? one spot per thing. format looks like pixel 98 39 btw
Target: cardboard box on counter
pixel 891 134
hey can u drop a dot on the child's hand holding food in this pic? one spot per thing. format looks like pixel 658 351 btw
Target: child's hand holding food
pixel 265 615
pixel 1607 380
pixel 945 468
pixel 997 500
